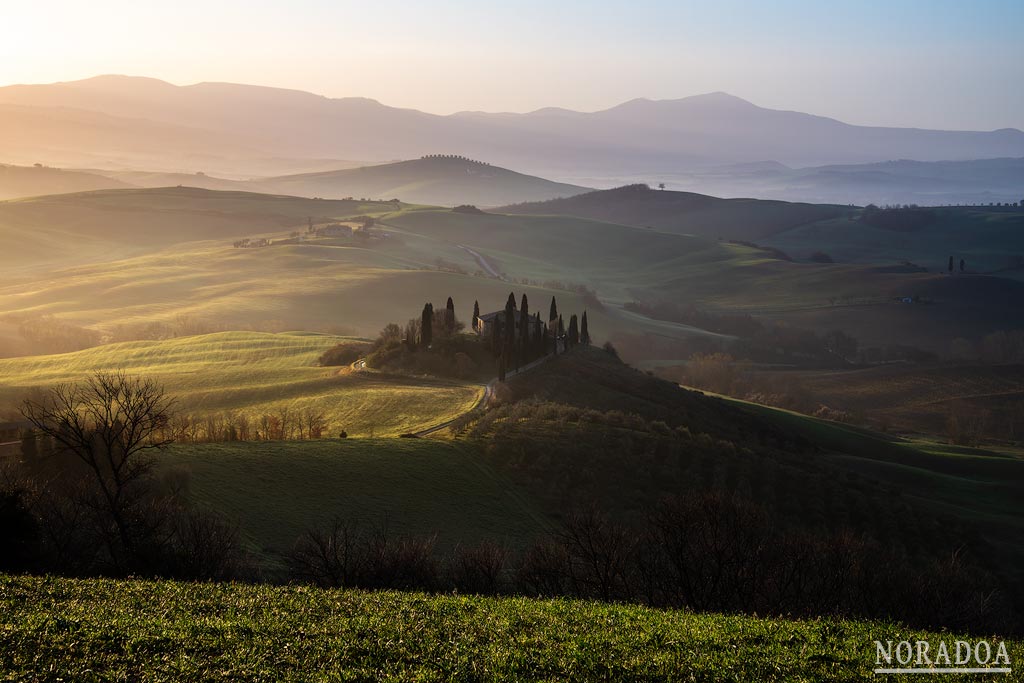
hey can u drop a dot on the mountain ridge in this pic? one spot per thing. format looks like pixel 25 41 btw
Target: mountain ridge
pixel 635 137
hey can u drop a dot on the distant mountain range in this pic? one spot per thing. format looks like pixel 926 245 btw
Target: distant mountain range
pixel 139 123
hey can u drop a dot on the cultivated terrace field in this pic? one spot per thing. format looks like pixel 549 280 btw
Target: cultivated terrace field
pixel 103 630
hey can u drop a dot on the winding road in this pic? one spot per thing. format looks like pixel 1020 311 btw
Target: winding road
pixel 484 399
pixel 487 395
pixel 482 261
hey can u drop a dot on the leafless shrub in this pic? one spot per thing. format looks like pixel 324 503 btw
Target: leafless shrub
pixel 479 568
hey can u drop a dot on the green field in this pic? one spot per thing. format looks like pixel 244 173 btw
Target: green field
pixel 985 237
pixel 256 373
pixel 278 490
pixel 98 630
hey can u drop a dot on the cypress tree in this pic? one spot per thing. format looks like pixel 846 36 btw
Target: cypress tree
pixel 524 325
pixel 584 331
pixel 510 321
pixel 427 325
pixel 574 331
pixel 553 314
pixel 561 327
pixel 476 313
pixel 449 317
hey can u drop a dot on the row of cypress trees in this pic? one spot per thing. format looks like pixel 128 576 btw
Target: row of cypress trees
pixel 514 344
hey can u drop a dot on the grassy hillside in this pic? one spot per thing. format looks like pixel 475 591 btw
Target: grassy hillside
pixel 973 489
pixel 278 490
pixel 685 212
pixel 988 238
pixel 113 630
pixel 256 373
pixel 430 254
pixel 920 399
pixel 361 285
pixel 108 224
pixel 583 443
pixel 30 181
pixel 604 256
pixel 431 180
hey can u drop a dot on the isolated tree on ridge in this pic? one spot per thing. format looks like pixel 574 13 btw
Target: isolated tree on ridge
pixel 584 331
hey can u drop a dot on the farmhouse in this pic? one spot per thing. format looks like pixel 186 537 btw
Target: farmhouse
pixel 334 230
pixel 485 324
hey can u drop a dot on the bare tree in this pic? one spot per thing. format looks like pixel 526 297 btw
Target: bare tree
pixel 107 424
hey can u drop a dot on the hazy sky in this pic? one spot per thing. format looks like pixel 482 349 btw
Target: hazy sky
pixel 927 63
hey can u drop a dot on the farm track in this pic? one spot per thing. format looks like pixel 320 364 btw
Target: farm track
pixel 484 399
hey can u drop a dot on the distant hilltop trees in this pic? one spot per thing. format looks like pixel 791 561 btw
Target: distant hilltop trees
pixel 454 157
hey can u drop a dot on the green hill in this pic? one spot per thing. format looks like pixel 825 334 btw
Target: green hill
pixel 685 212
pixel 438 180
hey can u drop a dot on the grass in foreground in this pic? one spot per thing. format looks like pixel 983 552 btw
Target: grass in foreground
pixel 97 630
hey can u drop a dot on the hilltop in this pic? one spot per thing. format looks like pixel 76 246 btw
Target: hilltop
pixel 684 212
pixel 32 181
pixel 444 180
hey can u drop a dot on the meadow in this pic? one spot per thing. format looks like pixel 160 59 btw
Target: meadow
pixel 277 491
pixel 55 629
pixel 255 373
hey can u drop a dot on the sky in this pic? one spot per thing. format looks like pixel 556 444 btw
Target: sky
pixel 921 63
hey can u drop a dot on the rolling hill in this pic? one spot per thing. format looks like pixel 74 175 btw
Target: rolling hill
pixel 684 212
pixel 211 125
pixel 441 181
pixel 115 259
pixel 114 224
pixel 33 181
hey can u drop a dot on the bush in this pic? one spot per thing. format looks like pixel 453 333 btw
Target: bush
pixel 345 353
